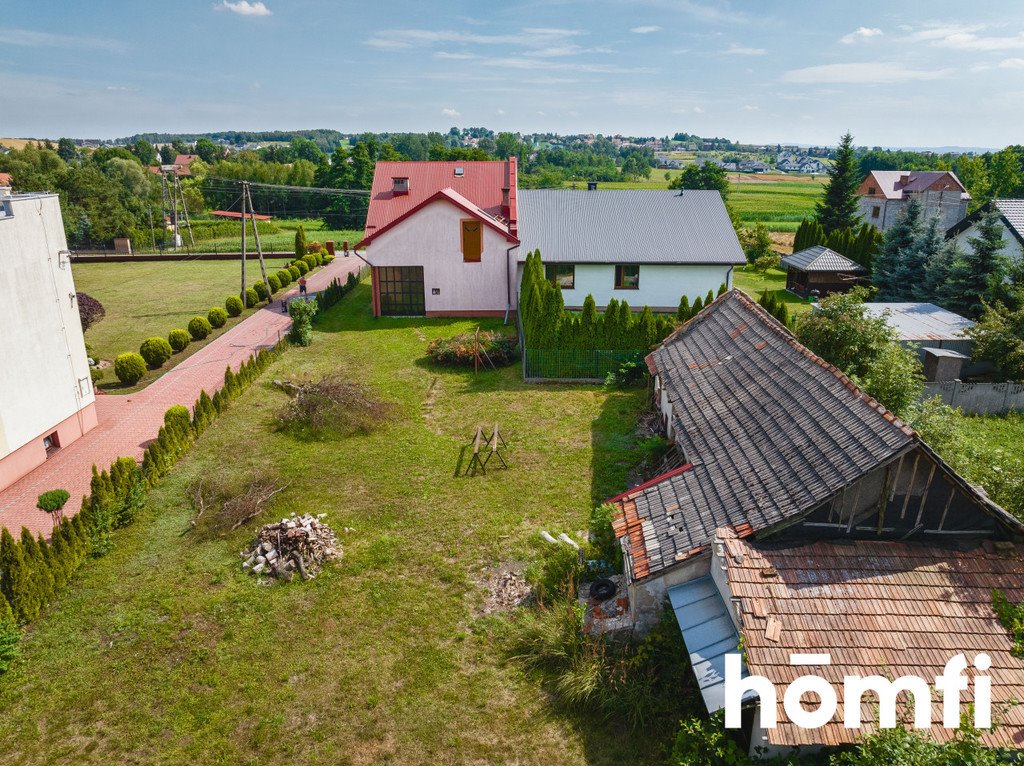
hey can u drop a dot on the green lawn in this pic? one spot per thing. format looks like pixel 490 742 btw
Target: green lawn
pixel 283 240
pixel 753 284
pixel 149 299
pixel 164 652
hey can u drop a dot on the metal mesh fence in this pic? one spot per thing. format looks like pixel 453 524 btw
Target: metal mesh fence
pixel 575 365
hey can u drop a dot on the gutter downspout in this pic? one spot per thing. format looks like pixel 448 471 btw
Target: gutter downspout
pixel 508 281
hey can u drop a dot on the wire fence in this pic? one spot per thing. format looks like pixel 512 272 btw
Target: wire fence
pixel 588 365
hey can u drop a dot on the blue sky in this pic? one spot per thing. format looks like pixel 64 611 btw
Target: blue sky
pixel 911 73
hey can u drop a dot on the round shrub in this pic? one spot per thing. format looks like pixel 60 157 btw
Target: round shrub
pixel 53 500
pixel 274 282
pixel 156 351
pixel 217 317
pixel 251 298
pixel 96 374
pixel 302 266
pixel 130 367
pixel 179 339
pixel 261 290
pixel 199 328
pixel 328 258
pixel 461 350
pixel 234 305
pixel 284 277
pixel 310 261
pixel 293 270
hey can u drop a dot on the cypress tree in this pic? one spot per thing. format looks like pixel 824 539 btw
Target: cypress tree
pixel 709 298
pixel 698 306
pixel 588 324
pixel 218 402
pixel 610 325
pixel 16 584
pixel 899 240
pixel 81 532
pixel 647 329
pixel 39 566
pixel 8 635
pixel 300 242
pixel 60 558
pixel 229 383
pixel 722 289
pixel 838 207
pixel 149 468
pixel 625 326
pixel 684 312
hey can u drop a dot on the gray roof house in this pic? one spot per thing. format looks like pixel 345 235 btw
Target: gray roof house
pixel 643 246
pixel 1011 218
pixel 939 335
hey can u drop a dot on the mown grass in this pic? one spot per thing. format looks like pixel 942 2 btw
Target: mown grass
pixel 774 280
pixel 165 652
pixel 284 240
pixel 149 299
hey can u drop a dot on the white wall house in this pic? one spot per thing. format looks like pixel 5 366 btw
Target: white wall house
pixel 1011 221
pixel 645 247
pixel 441 238
pixel 46 395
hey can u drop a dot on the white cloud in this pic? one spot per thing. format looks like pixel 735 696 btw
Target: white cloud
pixel 739 50
pixel 751 108
pixel 966 37
pixel 866 73
pixel 645 30
pixel 1011 64
pixel 500 112
pixel 861 33
pixel 29 38
pixel 450 112
pixel 454 56
pixel 533 38
pixel 244 8
pixel 698 110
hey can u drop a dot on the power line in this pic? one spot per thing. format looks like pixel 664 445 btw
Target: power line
pixel 302 189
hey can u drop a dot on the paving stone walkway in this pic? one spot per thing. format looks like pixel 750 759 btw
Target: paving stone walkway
pixel 127 423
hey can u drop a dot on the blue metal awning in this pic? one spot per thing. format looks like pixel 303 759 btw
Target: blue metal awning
pixel 709 634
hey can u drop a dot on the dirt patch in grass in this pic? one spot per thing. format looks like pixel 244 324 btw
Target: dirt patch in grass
pixel 505 588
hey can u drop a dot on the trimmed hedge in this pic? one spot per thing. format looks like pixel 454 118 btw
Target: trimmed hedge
pixel 155 351
pixel 217 317
pixel 274 282
pixel 284 277
pixel 234 306
pixel 53 500
pixel 199 328
pixel 179 339
pixel 261 290
pixel 251 297
pixel 129 368
pixel 33 572
pixel 302 267
pixel 294 272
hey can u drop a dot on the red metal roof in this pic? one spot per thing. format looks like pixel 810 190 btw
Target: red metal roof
pixel 185 159
pixel 231 214
pixel 479 190
pixel 6 179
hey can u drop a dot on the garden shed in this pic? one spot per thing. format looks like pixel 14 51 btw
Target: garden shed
pixel 820 271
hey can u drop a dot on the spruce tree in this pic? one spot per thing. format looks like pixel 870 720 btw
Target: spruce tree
pixel 838 207
pixel 974 277
pixel 899 240
pixel 913 268
pixel 683 312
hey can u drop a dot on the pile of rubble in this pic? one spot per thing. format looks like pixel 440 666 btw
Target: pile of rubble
pixel 298 544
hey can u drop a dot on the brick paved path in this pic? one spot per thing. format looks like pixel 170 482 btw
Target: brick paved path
pixel 127 423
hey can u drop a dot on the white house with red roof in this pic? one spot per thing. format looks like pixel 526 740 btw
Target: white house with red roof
pixel 441 238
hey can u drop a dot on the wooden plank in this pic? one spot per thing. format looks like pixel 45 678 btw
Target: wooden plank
pixel 910 487
pixel 924 495
pixel 949 501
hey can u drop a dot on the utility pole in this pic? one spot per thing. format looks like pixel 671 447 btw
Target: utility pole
pixel 244 185
pixel 174 215
pixel 256 235
pixel 184 209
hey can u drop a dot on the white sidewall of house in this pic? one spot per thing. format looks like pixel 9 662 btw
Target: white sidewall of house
pixel 661 285
pixel 432 238
pixel 1011 245
pixel 43 348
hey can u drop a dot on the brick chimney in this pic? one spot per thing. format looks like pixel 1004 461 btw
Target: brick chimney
pixel 399 185
pixel 509 193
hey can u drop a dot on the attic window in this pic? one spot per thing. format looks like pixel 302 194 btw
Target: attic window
pixel 872 190
pixel 460 172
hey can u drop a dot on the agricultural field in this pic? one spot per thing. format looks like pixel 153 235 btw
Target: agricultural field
pixel 149 299
pixel 779 202
pixel 385 657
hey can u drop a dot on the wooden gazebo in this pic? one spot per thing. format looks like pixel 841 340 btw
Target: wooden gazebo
pixel 820 271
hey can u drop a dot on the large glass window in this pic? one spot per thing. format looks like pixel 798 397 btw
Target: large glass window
pixel 561 275
pixel 401 291
pixel 627 277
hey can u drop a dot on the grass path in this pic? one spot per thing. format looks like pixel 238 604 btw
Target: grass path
pixel 165 652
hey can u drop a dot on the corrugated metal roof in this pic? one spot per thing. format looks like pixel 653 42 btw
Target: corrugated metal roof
pixel 821 258
pixel 627 226
pixel 921 321
pixel 771 431
pixel 709 634
pixel 893 608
